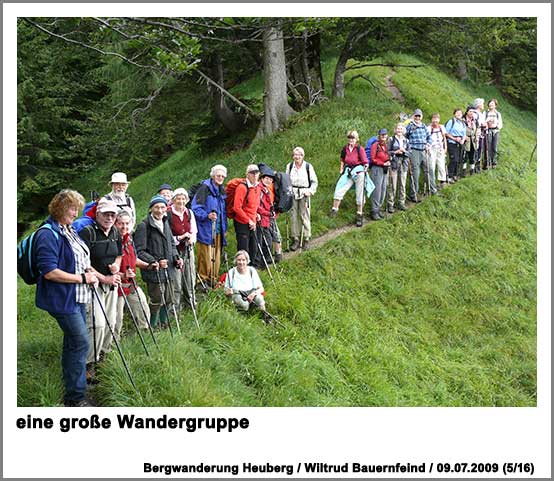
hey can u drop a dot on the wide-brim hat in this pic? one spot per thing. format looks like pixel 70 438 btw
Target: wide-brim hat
pixel 119 178
pixel 418 112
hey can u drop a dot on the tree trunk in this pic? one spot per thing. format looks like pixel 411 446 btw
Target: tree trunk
pixel 232 121
pixel 461 71
pixel 305 68
pixel 340 68
pixel 276 106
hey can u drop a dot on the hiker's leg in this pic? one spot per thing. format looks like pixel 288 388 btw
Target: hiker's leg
pixel 240 303
pixel 305 216
pixel 417 159
pixel 340 192
pixel 494 146
pixel 392 180
pixel 74 352
pixel 453 160
pixel 359 182
pixel 402 178
pixel 111 311
pixel 177 285
pixel 440 160
pixel 135 298
pixel 376 176
pixel 259 301
pixel 155 295
pixel 119 316
pixel 99 325
pixel 294 214
pixel 432 160
pixel 204 261
pixel 243 237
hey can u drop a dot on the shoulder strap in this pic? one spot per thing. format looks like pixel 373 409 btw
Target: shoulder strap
pixel 92 232
pixel 308 172
pixel 289 168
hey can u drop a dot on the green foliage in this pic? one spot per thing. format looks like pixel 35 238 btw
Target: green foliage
pixel 434 307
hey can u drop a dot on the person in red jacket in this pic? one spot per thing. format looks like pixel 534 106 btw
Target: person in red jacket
pixel 380 162
pixel 245 207
pixel 266 212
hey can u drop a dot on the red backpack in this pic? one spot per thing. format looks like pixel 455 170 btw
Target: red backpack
pixel 230 189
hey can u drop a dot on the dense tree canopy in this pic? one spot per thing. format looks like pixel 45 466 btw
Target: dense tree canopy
pixel 95 94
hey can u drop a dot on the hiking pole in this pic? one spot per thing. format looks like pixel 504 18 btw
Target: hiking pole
pixel 94 328
pixel 202 283
pixel 135 286
pixel 363 197
pixel 244 295
pixel 172 298
pixel 133 318
pixel 116 342
pixel 162 290
pixel 270 254
pixel 287 227
pixel 190 287
pixel 263 257
pixel 213 278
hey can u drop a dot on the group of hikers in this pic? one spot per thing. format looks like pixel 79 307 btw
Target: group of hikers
pixel 86 266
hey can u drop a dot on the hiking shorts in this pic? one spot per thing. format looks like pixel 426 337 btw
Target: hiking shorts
pixel 274 231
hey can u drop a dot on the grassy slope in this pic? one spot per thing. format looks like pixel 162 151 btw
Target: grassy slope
pixel 434 307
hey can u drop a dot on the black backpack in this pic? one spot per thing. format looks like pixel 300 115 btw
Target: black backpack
pixel 192 192
pixel 26 262
pixel 284 196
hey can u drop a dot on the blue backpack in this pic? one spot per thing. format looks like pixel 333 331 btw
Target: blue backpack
pixel 26 262
pixel 368 146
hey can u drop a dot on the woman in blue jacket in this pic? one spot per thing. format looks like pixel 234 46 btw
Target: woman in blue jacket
pixel 208 206
pixel 63 262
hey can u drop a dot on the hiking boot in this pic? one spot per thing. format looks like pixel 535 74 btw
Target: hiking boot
pixel 375 216
pixel 333 212
pixel 306 244
pixel 295 245
pixel 390 210
pixel 83 403
pixel 451 180
pixel 359 220
pixel 380 215
pixel 278 257
pixel 402 207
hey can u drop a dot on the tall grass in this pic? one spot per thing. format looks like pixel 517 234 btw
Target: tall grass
pixel 434 307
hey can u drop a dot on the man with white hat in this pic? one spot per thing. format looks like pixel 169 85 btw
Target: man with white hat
pixel 123 200
pixel 105 246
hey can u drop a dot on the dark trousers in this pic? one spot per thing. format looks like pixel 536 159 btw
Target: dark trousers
pixel 246 240
pixel 264 239
pixel 492 146
pixel 455 157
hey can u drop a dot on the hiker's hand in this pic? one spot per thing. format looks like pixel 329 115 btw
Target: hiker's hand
pixel 251 225
pixel 387 163
pixel 250 297
pixel 307 193
pixel 129 274
pixel 91 278
pixel 163 263
pixel 113 268
pixel 212 216
pixel 179 263
pixel 112 280
pixel 228 291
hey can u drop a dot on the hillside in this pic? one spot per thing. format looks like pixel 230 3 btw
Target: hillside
pixel 433 307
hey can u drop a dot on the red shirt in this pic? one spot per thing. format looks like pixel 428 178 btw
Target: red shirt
pixel 265 207
pixel 379 156
pixel 128 259
pixel 352 159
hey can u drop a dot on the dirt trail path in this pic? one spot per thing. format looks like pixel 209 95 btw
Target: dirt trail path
pixel 393 89
pixel 333 234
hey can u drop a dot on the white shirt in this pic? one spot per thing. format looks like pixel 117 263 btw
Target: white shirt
pixel 243 282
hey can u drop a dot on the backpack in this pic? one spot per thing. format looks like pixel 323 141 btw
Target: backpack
pixel 26 262
pixel 230 189
pixel 284 196
pixel 368 146
pixel 192 192
pixel 89 214
pixel 289 168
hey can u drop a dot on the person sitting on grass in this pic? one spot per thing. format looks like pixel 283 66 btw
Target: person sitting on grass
pixel 244 287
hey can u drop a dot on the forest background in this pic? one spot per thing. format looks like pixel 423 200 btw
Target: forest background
pixel 95 94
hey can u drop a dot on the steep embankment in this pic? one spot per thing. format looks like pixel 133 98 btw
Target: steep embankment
pixel 433 307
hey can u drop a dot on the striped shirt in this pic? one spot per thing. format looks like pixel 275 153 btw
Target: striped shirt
pixel 82 261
